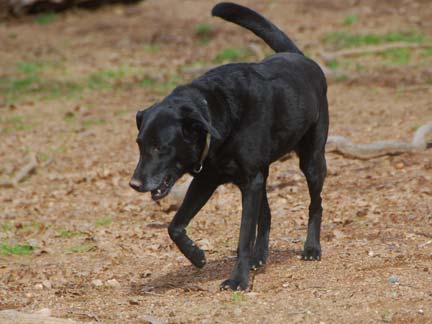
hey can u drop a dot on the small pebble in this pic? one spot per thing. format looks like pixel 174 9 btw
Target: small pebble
pixel 38 286
pixel 47 284
pixel 133 301
pixel 393 279
pixel 113 283
pixel 97 283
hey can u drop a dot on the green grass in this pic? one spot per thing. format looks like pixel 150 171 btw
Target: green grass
pixel 344 39
pixel 6 227
pixel 231 54
pixel 104 221
pixel 13 123
pixel 46 18
pixel 204 32
pixel 350 20
pixel 427 52
pixel 47 81
pixel 30 228
pixel 167 86
pixel 82 248
pixel 68 234
pixel 152 48
pixel 333 64
pixel 238 297
pixel 146 82
pixel 43 157
pixel 90 122
pixel 16 249
pixel 398 56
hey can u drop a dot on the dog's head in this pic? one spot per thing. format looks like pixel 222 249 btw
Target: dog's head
pixel 171 138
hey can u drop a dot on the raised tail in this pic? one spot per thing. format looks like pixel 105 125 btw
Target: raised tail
pixel 260 26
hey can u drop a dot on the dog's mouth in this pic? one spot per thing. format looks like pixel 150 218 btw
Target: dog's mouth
pixel 163 190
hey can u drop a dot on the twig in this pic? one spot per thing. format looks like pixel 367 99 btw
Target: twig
pixel 22 173
pixel 424 244
pixel 328 57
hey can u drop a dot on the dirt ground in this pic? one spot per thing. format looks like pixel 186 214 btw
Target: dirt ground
pixel 77 240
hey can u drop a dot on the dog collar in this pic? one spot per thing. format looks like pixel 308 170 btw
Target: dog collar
pixel 204 153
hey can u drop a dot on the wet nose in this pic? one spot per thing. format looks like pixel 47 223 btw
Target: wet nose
pixel 135 184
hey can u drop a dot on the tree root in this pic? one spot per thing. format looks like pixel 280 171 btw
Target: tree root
pixel 340 145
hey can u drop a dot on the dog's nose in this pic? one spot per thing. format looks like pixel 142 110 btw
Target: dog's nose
pixel 135 184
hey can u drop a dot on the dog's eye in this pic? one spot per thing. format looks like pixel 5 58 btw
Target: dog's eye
pixel 156 149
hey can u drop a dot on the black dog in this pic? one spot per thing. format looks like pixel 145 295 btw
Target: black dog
pixel 229 125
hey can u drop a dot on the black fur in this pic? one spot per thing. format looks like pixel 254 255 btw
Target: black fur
pixel 255 113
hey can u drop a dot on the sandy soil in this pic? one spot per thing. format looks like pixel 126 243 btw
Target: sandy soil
pixel 101 252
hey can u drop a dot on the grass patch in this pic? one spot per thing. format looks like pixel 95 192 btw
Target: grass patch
pixel 82 248
pixel 204 30
pixel 66 234
pixel 350 20
pixel 333 64
pixel 343 39
pixel 13 123
pixel 146 82
pixel 16 249
pixel 46 18
pixel 173 81
pixel 46 81
pixel 231 54
pixel 238 297
pixel 6 227
pixel 398 56
pixel 43 157
pixel 204 33
pixel 31 228
pixel 152 48
pixel 427 52
pixel 90 122
pixel 104 221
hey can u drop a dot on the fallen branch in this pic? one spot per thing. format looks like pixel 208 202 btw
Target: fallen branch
pixel 328 57
pixel 22 173
pixel 340 145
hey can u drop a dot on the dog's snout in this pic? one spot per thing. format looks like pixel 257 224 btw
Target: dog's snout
pixel 135 183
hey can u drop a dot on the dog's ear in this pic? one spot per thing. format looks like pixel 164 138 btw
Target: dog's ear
pixel 139 117
pixel 194 121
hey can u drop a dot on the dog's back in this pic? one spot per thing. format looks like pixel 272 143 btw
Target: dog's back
pixel 285 93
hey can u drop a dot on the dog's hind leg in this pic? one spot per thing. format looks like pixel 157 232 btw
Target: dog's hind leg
pixel 200 190
pixel 262 241
pixel 313 165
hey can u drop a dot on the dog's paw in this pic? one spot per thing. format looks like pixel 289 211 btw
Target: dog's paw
pixel 311 253
pixel 196 256
pixel 231 284
pixel 260 258
pixel 257 262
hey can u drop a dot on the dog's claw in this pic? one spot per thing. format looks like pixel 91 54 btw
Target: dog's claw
pixel 311 254
pixel 233 285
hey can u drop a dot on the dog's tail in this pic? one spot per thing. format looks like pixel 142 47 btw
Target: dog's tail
pixel 256 23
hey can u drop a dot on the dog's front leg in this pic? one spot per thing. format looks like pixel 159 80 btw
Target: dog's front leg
pixel 197 195
pixel 252 194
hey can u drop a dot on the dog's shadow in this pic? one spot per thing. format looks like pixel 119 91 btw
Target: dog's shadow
pixel 189 278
